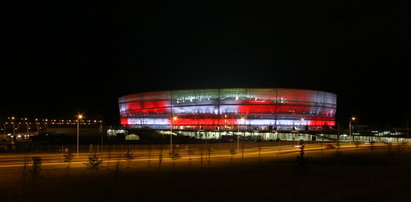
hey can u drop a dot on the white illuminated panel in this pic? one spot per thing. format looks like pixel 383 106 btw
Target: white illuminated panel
pixel 148 121
pixel 268 122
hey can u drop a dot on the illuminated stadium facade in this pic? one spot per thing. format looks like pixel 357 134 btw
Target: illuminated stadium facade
pixel 230 110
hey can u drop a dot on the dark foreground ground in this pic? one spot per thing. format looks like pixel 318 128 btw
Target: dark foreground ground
pixel 377 174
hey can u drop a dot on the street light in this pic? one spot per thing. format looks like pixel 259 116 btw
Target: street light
pixel 350 127
pixel 79 117
pixel 174 118
pixel 238 135
pixel 301 126
pixel 14 127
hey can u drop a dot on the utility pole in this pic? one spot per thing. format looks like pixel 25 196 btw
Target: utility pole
pixel 338 135
pixel 408 136
pixel 101 134
pixel 171 136
pixel 79 117
pixel 350 128
pixel 238 134
pixel 174 118
pixel 78 130
pixel 14 127
pixel 27 127
pixel 238 137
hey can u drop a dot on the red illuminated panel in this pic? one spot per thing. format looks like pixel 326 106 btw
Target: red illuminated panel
pixel 256 107
pixel 269 107
pixel 154 106
pixel 123 121
pixel 301 109
pixel 322 123
pixel 148 106
pixel 133 106
pixel 286 109
pixel 193 122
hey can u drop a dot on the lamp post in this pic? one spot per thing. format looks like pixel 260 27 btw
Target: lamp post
pixel 14 127
pixel 408 136
pixel 174 118
pixel 101 134
pixel 301 125
pixel 238 135
pixel 79 117
pixel 350 127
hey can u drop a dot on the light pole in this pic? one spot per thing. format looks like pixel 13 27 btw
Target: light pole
pixel 301 125
pixel 79 117
pixel 101 134
pixel 238 134
pixel 407 130
pixel 350 127
pixel 14 127
pixel 27 127
pixel 174 118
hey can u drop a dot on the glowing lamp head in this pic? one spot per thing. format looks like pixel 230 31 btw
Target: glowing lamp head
pixel 353 118
pixel 242 118
pixel 80 116
pixel 175 118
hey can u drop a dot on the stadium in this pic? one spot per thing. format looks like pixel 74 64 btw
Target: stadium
pixel 265 113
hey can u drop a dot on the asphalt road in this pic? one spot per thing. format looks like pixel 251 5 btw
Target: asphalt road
pixel 57 160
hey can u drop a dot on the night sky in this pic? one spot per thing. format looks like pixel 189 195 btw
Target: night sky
pixel 60 59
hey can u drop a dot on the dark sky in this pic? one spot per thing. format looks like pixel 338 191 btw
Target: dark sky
pixel 61 58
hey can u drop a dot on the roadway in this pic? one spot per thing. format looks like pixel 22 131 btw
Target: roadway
pixel 56 160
